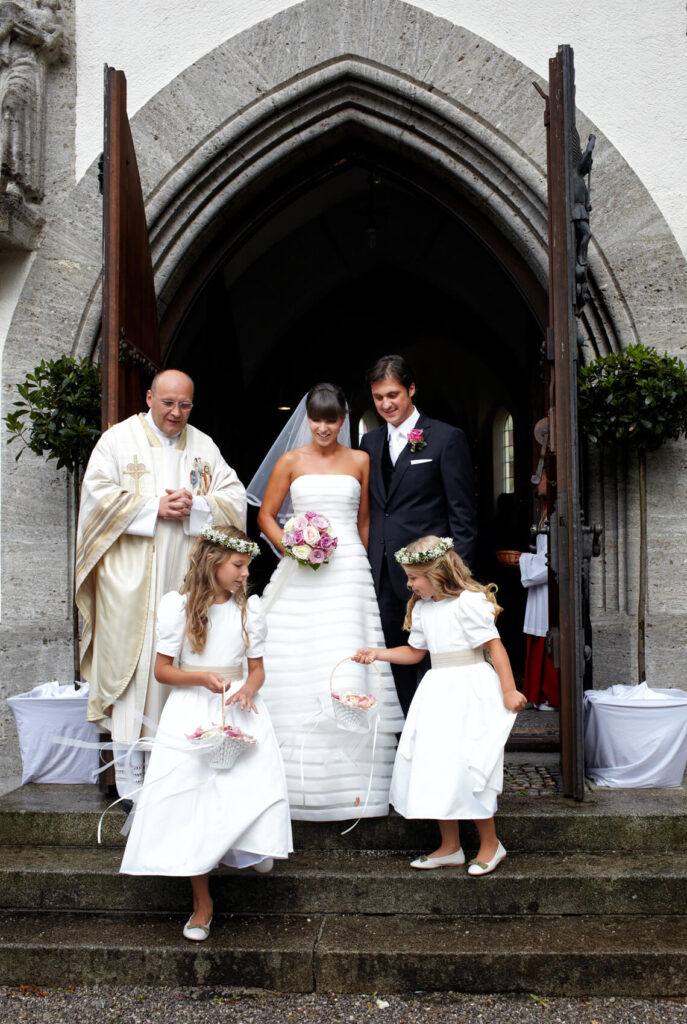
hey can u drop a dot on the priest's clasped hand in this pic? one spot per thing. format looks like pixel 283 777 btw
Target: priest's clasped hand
pixel 175 504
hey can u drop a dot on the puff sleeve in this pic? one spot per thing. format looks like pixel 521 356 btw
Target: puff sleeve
pixel 477 618
pixel 256 627
pixel 171 623
pixel 417 636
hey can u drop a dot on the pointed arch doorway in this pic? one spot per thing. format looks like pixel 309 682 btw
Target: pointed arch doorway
pixel 371 255
pixel 322 255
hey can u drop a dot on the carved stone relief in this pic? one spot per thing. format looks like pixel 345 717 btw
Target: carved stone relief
pixel 31 38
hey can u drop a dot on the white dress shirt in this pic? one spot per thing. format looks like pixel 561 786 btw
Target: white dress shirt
pixel 398 436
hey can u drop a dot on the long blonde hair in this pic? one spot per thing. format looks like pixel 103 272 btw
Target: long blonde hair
pixel 201 586
pixel 449 576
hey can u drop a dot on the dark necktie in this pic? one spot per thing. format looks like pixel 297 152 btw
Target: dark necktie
pixel 387 466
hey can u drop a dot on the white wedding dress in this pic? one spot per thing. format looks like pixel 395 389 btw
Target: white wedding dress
pixel 315 619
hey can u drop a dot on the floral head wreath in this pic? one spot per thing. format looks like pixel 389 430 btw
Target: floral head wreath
pixel 405 557
pixel 244 547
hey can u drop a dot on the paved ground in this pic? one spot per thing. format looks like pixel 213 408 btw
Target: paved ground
pixel 104 1005
pixel 533 774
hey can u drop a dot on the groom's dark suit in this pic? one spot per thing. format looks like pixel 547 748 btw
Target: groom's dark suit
pixel 428 492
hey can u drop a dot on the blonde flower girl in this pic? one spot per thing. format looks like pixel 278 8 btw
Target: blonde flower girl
pixel 449 763
pixel 190 816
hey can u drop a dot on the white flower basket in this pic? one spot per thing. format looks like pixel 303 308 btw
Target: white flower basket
pixel 226 753
pixel 223 751
pixel 348 714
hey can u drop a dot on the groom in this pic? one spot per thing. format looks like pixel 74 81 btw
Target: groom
pixel 419 485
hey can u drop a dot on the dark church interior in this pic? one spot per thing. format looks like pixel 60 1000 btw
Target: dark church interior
pixel 363 263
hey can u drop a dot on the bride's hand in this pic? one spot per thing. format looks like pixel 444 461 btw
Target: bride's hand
pixel 366 655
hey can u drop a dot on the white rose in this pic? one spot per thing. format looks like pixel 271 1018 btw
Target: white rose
pixel 301 552
pixel 311 535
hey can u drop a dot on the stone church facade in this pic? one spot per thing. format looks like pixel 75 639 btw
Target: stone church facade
pixel 256 101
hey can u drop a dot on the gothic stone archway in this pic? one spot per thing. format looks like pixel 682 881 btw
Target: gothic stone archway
pixel 206 140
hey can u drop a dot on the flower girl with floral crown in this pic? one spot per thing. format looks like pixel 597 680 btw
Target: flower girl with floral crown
pixel 191 816
pixel 449 763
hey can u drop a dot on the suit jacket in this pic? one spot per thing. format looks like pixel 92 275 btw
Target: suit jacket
pixel 430 492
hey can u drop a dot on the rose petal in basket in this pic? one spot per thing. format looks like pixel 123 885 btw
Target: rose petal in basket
pixel 350 716
pixel 351 709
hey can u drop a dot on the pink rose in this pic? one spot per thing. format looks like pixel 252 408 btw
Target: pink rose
pixel 321 522
pixel 311 535
pixel 297 537
pixel 326 542
pixel 310 516
pixel 300 522
pixel 287 540
pixel 414 436
pixel 335 542
pixel 317 556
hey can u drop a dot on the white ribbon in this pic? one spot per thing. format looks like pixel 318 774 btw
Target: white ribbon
pixel 279 581
pixel 144 743
pixel 325 711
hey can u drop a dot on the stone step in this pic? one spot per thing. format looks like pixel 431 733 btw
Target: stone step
pixel 578 955
pixel 349 882
pixel 649 820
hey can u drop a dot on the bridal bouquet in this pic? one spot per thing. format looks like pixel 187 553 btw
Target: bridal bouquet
pixel 309 539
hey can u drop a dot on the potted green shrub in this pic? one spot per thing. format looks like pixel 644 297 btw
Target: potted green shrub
pixel 57 415
pixel 635 400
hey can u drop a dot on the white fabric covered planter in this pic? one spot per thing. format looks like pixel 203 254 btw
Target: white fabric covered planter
pixel 635 737
pixel 47 711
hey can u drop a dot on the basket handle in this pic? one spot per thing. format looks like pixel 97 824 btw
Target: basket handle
pixel 372 663
pixel 224 697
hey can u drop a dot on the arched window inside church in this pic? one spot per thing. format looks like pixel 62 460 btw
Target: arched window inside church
pixel 504 454
pixel 368 421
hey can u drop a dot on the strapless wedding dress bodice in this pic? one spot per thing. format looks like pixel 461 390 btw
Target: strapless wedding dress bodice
pixel 335 496
pixel 315 619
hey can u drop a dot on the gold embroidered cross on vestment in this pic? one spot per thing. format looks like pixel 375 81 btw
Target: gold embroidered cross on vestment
pixel 136 469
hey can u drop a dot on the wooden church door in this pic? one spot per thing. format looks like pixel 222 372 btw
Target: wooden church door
pixel 130 354
pixel 570 541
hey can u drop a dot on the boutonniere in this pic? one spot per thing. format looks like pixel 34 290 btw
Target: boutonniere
pixel 416 440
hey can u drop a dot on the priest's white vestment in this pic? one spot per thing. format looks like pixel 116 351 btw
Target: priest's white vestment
pixel 127 557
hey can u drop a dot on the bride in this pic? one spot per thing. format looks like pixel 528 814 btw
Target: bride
pixel 315 619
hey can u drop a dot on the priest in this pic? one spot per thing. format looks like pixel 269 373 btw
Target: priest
pixel 151 483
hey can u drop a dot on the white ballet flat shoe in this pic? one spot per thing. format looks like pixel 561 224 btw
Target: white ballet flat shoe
pixel 479 867
pixel 451 860
pixel 196 932
pixel 264 866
